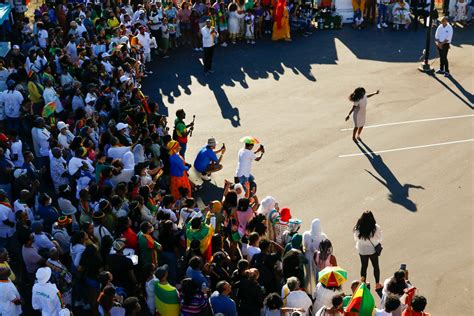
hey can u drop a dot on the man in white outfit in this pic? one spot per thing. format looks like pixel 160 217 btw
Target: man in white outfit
pixel 443 37
pixel 46 296
pixel 145 40
pixel 209 35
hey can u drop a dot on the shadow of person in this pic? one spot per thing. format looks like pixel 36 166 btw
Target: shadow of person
pixel 227 110
pixel 209 192
pixel 398 193
pixel 468 95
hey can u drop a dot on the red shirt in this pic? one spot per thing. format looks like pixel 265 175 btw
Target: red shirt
pixel 131 237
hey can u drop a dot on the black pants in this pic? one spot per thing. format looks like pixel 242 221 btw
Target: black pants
pixel 364 260
pixel 443 58
pixel 208 54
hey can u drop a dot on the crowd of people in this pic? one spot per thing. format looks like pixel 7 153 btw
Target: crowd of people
pixel 97 213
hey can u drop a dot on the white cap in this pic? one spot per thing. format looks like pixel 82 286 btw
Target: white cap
pixel 121 126
pixel 124 78
pixel 43 275
pixel 105 55
pixel 19 172
pixel 16 47
pixel 62 125
pixel 90 98
pixel 64 312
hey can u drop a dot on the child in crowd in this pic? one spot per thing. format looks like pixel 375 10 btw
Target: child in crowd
pixel 461 11
pixel 172 33
pixel 250 27
pixel 267 21
pixel 258 12
pixel 165 38
pixel 222 24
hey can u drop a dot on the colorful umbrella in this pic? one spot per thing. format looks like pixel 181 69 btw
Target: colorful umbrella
pixel 332 276
pixel 249 140
pixel 49 109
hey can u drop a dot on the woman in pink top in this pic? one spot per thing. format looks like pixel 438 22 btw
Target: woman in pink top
pixel 185 23
pixel 245 212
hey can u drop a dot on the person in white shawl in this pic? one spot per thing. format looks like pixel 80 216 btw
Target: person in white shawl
pixel 239 189
pixel 311 240
pixel 269 208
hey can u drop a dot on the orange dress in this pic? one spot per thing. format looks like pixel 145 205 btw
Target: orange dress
pixel 178 176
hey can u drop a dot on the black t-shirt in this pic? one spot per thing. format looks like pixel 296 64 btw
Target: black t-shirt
pixel 120 267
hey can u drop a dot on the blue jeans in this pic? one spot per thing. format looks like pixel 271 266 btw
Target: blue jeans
pixel 182 151
pixel 250 179
pixel 382 14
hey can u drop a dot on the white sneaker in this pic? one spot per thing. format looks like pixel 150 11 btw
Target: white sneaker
pixel 196 49
pixel 384 24
pixel 224 45
pixel 248 42
pixel 201 49
pixel 379 26
pixel 253 42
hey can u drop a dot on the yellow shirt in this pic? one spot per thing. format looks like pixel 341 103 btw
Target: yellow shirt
pixel 12 276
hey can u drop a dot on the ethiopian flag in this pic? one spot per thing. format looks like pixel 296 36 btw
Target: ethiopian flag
pixel 166 299
pixel 362 302
pixel 204 235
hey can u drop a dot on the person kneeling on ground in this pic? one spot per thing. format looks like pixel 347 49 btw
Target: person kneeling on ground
pixel 206 161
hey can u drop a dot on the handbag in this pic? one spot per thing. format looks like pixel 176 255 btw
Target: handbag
pixel 378 248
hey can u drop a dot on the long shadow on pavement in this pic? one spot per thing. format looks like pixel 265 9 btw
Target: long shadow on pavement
pixel 467 94
pixel 268 59
pixel 399 193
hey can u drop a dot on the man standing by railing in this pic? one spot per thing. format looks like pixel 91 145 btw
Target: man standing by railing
pixel 443 37
pixel 209 36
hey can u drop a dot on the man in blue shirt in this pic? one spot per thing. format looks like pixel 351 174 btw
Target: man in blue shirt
pixel 220 301
pixel 206 161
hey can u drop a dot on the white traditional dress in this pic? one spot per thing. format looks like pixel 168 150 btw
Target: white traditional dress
pixel 311 240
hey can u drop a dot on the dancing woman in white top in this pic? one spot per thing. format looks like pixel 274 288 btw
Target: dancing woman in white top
pixel 359 99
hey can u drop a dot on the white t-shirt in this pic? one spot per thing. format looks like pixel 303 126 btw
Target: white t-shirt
pixel 244 166
pixel 6 213
pixel 12 103
pixel 41 141
pixel 150 294
pixel 118 152
pixel 252 251
pixel 42 37
pixel 100 232
pixel 367 246
pixel 172 214
pixel 9 293
pixel 42 241
pixel 381 312
pixel 46 299
pixel 299 299
pixel 19 206
pixel 145 41
pixel 444 33
pixel 17 149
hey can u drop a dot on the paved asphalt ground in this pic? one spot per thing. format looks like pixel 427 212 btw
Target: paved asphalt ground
pixel 293 98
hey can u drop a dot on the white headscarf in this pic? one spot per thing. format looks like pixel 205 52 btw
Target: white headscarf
pixel 267 205
pixel 240 195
